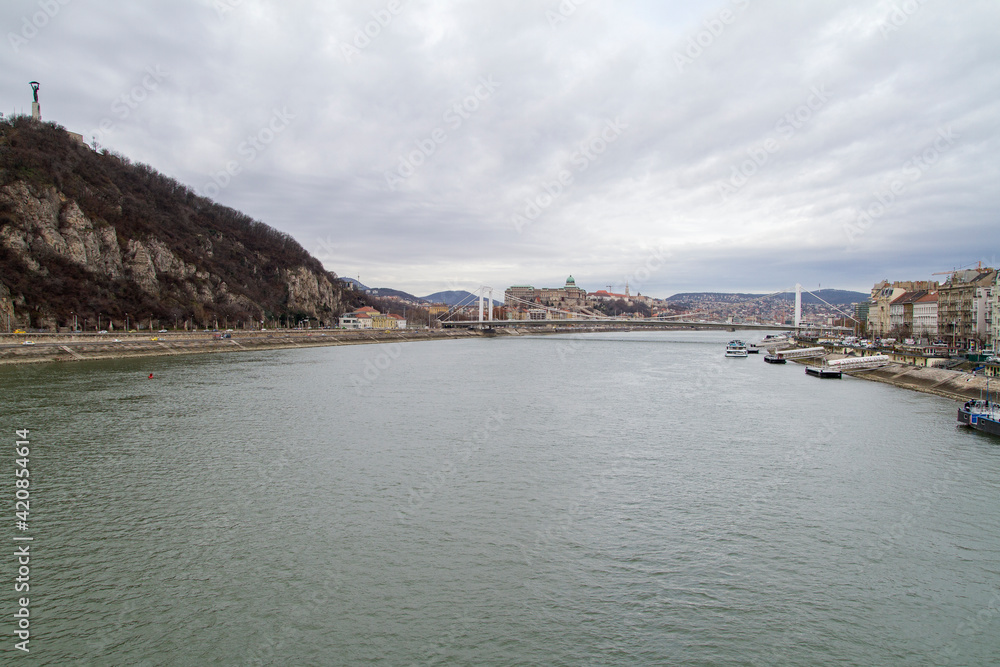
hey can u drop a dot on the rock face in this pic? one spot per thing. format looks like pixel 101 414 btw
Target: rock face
pixel 128 240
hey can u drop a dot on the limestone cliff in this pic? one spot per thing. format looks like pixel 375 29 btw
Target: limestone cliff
pixel 86 234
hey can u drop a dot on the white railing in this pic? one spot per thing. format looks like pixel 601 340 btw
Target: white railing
pixel 801 352
pixel 852 363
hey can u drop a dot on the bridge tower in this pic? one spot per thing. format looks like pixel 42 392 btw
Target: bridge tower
pixel 798 305
pixel 483 292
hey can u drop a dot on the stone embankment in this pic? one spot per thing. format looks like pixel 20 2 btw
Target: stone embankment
pixel 957 385
pixel 76 347
pixel 115 345
pixel 942 382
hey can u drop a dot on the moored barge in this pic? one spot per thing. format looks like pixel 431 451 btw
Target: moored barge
pixel 981 415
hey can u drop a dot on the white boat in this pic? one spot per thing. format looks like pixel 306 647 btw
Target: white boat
pixel 736 348
pixel 773 339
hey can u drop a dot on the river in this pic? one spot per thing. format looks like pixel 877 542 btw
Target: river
pixel 600 499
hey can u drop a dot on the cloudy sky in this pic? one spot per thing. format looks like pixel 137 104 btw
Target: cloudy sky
pixel 682 145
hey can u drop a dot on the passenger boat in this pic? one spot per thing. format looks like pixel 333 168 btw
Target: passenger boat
pixel 981 415
pixel 774 359
pixel 752 349
pixel 736 348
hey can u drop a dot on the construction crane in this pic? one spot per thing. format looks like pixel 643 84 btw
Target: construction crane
pixel 979 267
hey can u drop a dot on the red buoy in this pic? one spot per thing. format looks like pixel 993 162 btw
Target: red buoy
pixel 150 376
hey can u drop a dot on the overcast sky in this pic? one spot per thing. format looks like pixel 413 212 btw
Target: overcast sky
pixel 740 145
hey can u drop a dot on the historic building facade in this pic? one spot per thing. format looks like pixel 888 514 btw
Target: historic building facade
pixel 567 297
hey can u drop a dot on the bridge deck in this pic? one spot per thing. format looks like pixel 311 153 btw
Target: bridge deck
pixel 654 323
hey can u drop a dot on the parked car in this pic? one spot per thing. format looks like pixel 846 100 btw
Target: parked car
pixel 28 342
pixel 163 331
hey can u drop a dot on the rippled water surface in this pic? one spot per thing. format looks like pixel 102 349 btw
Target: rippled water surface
pixel 600 499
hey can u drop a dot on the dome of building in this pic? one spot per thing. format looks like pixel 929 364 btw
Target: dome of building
pixel 570 282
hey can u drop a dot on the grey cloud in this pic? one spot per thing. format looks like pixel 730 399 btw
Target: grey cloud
pixel 892 83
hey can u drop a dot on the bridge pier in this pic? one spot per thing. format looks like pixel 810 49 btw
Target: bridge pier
pixel 483 291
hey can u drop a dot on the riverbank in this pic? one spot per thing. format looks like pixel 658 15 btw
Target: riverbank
pixel 42 348
pixel 956 385
pixel 77 347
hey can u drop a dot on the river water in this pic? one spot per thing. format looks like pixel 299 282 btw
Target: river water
pixel 599 499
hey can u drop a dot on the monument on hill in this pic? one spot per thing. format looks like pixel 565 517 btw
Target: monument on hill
pixel 36 109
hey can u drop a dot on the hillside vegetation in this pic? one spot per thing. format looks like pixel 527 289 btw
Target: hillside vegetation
pixel 94 234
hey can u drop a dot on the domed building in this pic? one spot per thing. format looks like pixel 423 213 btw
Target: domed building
pixel 568 297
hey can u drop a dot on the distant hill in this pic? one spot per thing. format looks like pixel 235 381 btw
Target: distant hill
pixel 837 297
pixel 399 294
pixel 382 292
pixel 355 283
pixel 449 297
pixel 89 237
pixel 455 297
pixel 834 296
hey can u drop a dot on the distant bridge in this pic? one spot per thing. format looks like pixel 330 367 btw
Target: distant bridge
pixel 567 318
pixel 651 322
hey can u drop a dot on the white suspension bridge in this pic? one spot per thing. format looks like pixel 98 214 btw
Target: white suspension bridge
pixel 554 316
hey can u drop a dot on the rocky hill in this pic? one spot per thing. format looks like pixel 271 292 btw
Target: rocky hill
pixel 86 234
